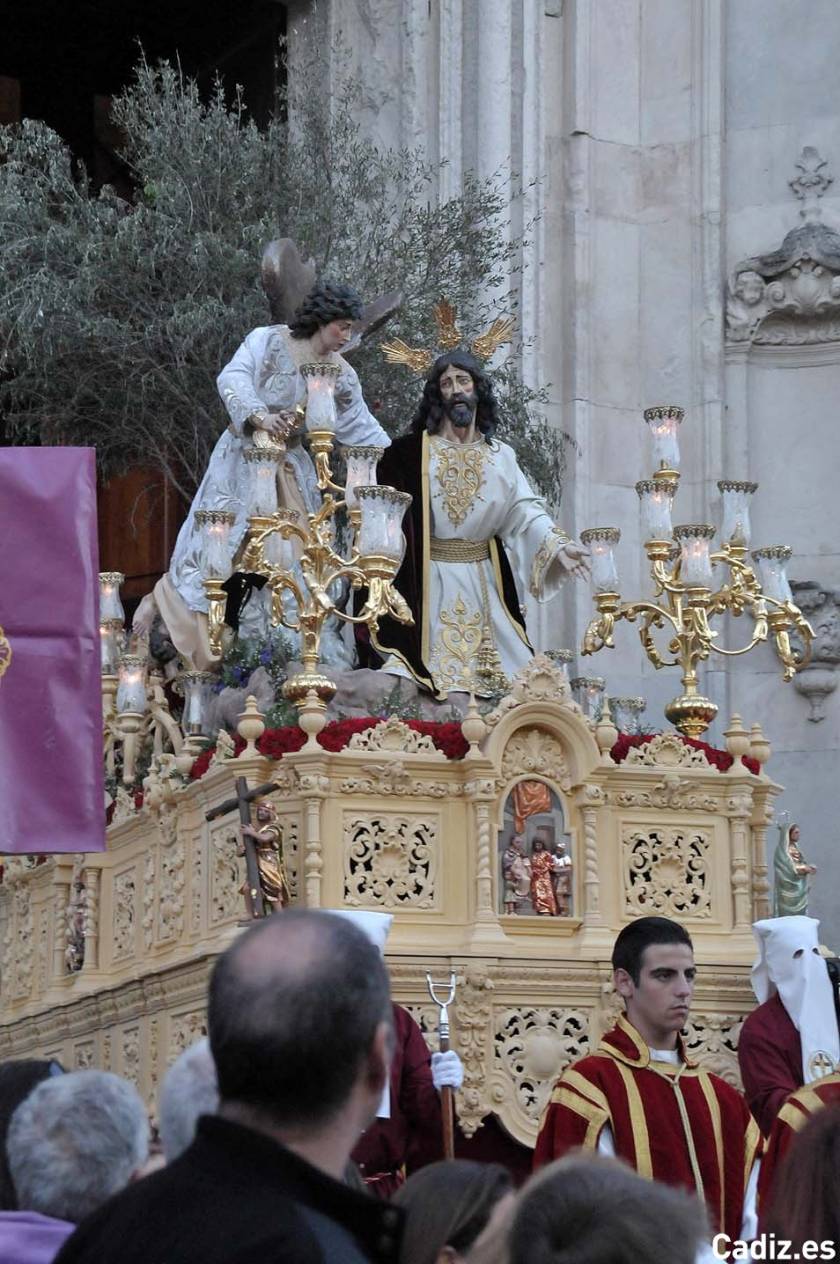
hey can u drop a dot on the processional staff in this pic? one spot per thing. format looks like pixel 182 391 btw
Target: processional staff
pixel 446 1099
pixel 244 799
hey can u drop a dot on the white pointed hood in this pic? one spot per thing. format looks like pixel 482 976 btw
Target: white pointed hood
pixel 789 963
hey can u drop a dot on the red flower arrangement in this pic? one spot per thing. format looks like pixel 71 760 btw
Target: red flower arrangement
pixel 335 736
pixel 719 759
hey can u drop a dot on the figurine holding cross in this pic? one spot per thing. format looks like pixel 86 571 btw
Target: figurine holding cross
pixel 255 903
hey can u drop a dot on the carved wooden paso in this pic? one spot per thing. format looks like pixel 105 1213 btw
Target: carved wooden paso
pixel 244 799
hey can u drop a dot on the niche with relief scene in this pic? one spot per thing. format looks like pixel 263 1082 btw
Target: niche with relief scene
pixel 536 865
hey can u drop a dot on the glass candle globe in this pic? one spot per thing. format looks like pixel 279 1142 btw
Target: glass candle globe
pixel 695 563
pixel 380 530
pixel 656 496
pixel 600 541
pixel 261 467
pixel 736 496
pixel 772 571
pixel 664 422
pixel 215 525
pixel 131 690
pixel 361 471
pixel 110 606
pixel 320 396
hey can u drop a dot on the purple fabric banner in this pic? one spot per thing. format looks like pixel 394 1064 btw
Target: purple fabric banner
pixel 51 777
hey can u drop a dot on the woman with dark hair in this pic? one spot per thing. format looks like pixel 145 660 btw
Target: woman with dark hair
pixel 261 388
pixel 448 1205
pixel 804 1205
pixel 17 1080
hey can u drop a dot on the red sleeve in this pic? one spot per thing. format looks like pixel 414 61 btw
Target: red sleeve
pixel 770 1058
pixel 419 1100
pixel 575 1116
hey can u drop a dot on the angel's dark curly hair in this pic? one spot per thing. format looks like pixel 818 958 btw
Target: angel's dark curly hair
pixel 430 410
pixel 323 304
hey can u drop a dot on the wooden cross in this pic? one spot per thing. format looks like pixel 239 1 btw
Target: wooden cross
pixel 244 799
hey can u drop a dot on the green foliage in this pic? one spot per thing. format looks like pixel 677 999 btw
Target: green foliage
pixel 115 318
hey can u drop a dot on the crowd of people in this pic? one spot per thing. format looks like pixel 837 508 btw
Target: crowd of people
pixel 287 1132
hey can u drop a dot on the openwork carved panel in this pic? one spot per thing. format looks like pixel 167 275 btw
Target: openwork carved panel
pixel 391 860
pixel 531 1048
pixel 713 1040
pixel 125 914
pixel 533 750
pixel 667 870
pixel 225 878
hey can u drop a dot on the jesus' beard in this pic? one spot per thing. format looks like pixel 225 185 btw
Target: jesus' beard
pixel 460 409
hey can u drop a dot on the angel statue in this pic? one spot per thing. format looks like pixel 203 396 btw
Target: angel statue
pixel 476 533
pixel 791 873
pixel 262 390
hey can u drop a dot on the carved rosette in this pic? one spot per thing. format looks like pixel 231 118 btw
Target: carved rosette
pixel 535 752
pixel 531 1048
pixel 390 860
pixel 667 872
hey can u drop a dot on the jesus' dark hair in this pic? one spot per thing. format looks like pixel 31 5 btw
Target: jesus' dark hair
pixel 430 410
pixel 325 303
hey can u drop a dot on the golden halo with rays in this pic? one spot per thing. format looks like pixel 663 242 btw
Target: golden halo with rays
pixel 420 359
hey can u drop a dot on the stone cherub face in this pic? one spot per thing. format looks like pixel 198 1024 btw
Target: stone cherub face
pixel 749 287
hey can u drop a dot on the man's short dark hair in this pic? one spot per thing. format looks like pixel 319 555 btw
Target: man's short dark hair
pixel 323 304
pixel 429 413
pixel 293 1009
pixel 631 943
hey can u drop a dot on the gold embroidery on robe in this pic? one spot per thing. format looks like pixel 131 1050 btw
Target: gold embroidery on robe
pixel 454 654
pixel 460 475
pixel 544 556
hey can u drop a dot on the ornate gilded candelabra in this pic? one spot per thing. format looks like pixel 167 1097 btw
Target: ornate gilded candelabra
pixel 686 596
pixel 299 558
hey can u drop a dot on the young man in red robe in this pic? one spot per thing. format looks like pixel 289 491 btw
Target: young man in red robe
pixel 641 1098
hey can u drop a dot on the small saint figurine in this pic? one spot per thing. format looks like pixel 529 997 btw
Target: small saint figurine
pixel 542 887
pixel 267 838
pixel 561 877
pixel 791 872
pixel 516 872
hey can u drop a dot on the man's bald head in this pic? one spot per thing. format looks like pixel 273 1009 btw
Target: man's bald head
pixel 293 1010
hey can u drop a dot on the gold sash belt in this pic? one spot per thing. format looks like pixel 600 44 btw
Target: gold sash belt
pixel 459 550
